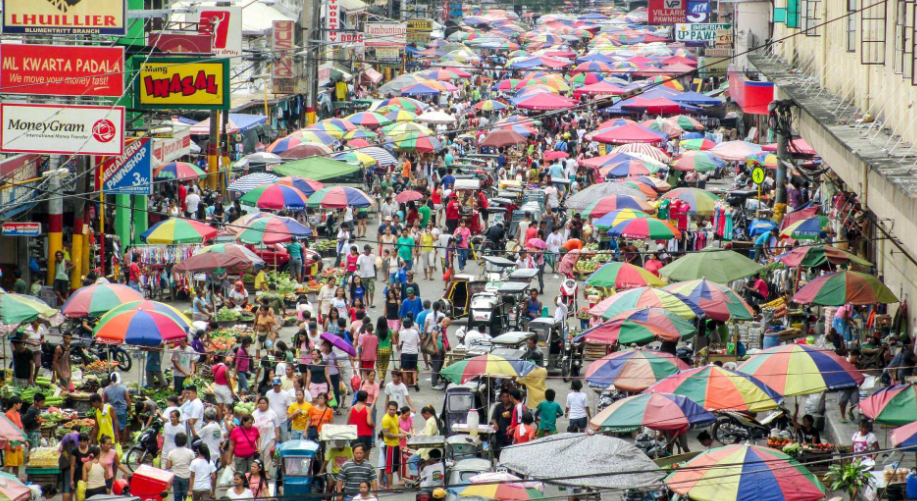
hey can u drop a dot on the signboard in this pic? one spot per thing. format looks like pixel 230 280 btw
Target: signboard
pixel 282 47
pixel 65 17
pixel 666 12
pixel 421 38
pixel 702 32
pixel 717 60
pixel 61 129
pixel 224 27
pixel 21 229
pixel 130 173
pixel 333 20
pixel 758 175
pixel 171 82
pixel 455 10
pixel 167 150
pixel 385 34
pixel 723 37
pixel 421 25
pixel 388 55
pixel 180 43
pixel 698 11
pixel 48 70
pixel 18 171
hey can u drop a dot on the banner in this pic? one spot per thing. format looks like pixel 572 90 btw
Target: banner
pixel 666 11
pixel 65 17
pixel 224 27
pixel 703 32
pixel 698 11
pixel 130 173
pixel 170 82
pixel 385 34
pixel 167 150
pixel 61 129
pixel 333 20
pixel 180 43
pixel 21 229
pixel 282 48
pixel 48 70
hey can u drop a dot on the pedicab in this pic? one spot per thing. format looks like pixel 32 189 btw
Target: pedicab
pixel 561 354
pixel 488 313
pixel 514 294
pixel 457 401
pixel 466 192
pixel 295 474
pixel 457 299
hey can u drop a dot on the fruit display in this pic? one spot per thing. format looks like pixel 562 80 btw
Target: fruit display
pixel 778 442
pixel 323 245
pixel 778 306
pixel 792 449
pixel 52 393
pixel 101 366
pixel 825 448
pixel 43 457
pixel 53 415
pixel 79 424
pixel 244 408
pixel 283 281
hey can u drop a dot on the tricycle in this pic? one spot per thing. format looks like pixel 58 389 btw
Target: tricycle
pixel 295 475
pixel 561 354
pixel 458 400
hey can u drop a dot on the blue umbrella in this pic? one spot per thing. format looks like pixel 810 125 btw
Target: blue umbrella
pixel 761 226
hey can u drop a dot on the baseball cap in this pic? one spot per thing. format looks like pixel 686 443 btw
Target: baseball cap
pixel 276 381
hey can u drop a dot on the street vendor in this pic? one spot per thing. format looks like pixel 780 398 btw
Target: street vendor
pixel 238 296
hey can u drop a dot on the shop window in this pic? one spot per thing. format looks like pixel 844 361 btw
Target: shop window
pixel 811 17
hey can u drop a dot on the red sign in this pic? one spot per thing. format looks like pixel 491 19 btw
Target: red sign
pixel 181 43
pixel 51 70
pixel 666 11
pixel 282 46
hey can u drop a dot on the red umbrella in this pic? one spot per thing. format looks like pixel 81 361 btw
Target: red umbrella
pixel 408 196
pixel 679 60
pixel 658 106
pixel 600 88
pixel 502 137
pixel 554 155
pixel 630 133
pixel 358 143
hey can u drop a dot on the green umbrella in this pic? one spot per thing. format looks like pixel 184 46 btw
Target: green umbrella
pixel 717 265
pixel 19 308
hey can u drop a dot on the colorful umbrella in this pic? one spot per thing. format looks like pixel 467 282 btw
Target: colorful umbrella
pixel 178 231
pixel 251 181
pixel 895 405
pixel 546 102
pixel 11 488
pixel 718 265
pixel 583 79
pixel 905 436
pixel 745 472
pixel 306 186
pixel 658 317
pixel 813 256
pixel 356 158
pixel 302 149
pixel 686 123
pixel 656 411
pixel 142 323
pixel 399 115
pixel 368 119
pixel 212 261
pixel 414 141
pixel 502 137
pixel 235 250
pixel 97 300
pixel 592 66
pixel 763 159
pixel 613 203
pixel 630 134
pixel 10 432
pixel 719 389
pixel 643 151
pixel 802 369
pixel 845 287
pixel 339 343
pixel 20 308
pixel 712 297
pixel 178 171
pixel 314 136
pixel 735 151
pixel 625 332
pixel 421 89
pixel 275 197
pixel 361 134
pixel 645 229
pixel 643 297
pixel 489 105
pixel 401 128
pixel 701 202
pixel 273 230
pixel 633 370
pixel 619 275
pixel 697 161
pixel 499 491
pixel 404 103
pixel 629 168
pixel 811 228
pixel 486 366
pixel 617 216
pixel 697 144
pixel 339 197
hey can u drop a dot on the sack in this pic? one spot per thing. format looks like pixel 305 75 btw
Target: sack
pixel 428 344
pixel 119 451
pixel 81 490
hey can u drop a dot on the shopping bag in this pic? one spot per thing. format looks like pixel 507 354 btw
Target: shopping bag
pixel 81 490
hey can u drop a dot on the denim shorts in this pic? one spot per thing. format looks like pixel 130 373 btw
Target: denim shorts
pixel 122 419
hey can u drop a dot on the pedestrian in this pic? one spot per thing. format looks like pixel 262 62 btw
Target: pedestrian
pixel 390 456
pixel 546 414
pixel 14 457
pixel 268 425
pixel 462 236
pixel 354 472
pixel 119 397
pixel 366 265
pixel 179 462
pixel 409 346
pixel 849 396
pixel 298 414
pixel 94 473
pixel 439 343
pixel 203 475
pixel 245 440
pixel 239 489
pixel 360 416
pixel 106 424
pixel 384 349
pixel 182 364
pixel 396 391
pixel 23 363
pixel 525 432
pixel 577 409
pixel 279 402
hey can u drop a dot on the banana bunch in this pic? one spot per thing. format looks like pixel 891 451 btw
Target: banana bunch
pixel 774 305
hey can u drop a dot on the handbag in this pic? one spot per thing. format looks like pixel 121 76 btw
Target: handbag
pixel 257 454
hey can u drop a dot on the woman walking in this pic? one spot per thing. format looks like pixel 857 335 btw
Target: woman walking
pixel 383 349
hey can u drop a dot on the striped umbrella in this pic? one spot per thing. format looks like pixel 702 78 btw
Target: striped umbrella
pixel 659 317
pixel 142 323
pixel 763 159
pixel 633 370
pixel 251 181
pixel 620 275
pixel 697 161
pixel 715 264
pixel 444 75
pixel 625 332
pixel 405 103
pixel 905 436
pixel 302 149
pixel 339 197
pixel 330 129
pixel 273 230
pixel 708 296
pixel 643 150
pixel 356 158
pixel 361 134
pixel 489 105
pixel 178 231
pixel 592 66
pixel 836 289
pixel 656 411
pixel 645 297
pixel 275 197
pixel 645 229
pixel 588 78
pixel 306 186
pixel 315 136
pixel 399 115
pixel 735 151
pixel 811 228
pixel 686 123
pixel 629 168
pixel 895 405
pixel 381 155
pixel 368 119
pixel 719 389
pixel 611 203
pixel 21 308
pixel 401 128
pixel 178 171
pixel 499 491
pixel 617 216
pixel 697 144
pixel 647 189
pixel 700 202
pixel 486 366
pixel 802 369
pixel 97 300
pixel 413 141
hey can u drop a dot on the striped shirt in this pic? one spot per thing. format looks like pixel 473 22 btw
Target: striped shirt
pixel 352 474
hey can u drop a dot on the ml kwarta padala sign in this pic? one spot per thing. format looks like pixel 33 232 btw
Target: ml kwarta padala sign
pixel 182 83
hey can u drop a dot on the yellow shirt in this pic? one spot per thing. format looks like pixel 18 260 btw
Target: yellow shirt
pixel 337 457
pixel 104 417
pixel 430 429
pixel 260 279
pixel 426 242
pixel 299 423
pixel 390 424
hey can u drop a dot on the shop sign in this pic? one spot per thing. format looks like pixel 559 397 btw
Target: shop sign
pixel 421 38
pixel 455 10
pixel 333 20
pixel 385 34
pixel 21 229
pixel 224 27
pixel 130 173
pixel 666 12
pixel 48 70
pixel 388 55
pixel 169 83
pixel 61 129
pixel 698 12
pixel 723 38
pixel 701 32
pixel 180 43
pixel 65 17
pixel 18 171
pixel 421 25
pixel 282 47
pixel 167 150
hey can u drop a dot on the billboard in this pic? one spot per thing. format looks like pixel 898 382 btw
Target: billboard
pixel 21 229
pixel 333 20
pixel 702 32
pixel 666 11
pixel 61 129
pixel 169 82
pixel 385 34
pixel 65 17
pixel 282 45
pixel 698 11
pixel 130 173
pixel 224 27
pixel 48 70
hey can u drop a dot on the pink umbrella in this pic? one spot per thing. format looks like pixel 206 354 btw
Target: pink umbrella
pixel 536 243
pixel 735 151
pixel 630 133
pixel 547 102
pixel 408 196
pixel 796 146
pixel 554 155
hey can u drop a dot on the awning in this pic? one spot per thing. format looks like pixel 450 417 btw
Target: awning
pixel 316 168
pixel 371 75
pixel 352 6
pixel 752 96
pixel 237 123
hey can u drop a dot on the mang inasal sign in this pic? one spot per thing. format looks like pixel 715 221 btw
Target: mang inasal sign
pixel 173 82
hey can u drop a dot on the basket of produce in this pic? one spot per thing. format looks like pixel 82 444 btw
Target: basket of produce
pixel 52 394
pixel 244 408
pixel 79 425
pixel 826 448
pixel 101 366
pixel 222 340
pixel 43 457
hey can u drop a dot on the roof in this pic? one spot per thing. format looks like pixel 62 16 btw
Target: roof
pixel 352 5
pixel 316 168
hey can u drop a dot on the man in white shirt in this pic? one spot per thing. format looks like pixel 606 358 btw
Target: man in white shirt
pixel 366 268
pixel 560 313
pixel 396 391
pixel 279 401
pixel 212 435
pixel 192 412
pixel 343 239
pixel 409 346
pixel 192 201
pixel 577 407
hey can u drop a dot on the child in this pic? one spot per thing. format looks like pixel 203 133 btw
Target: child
pixel 14 455
pixel 365 495
pixel 406 424
pixel 547 413
pixel 525 432
pixel 850 396
pixel 369 344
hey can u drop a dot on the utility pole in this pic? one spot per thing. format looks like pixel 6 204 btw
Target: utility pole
pixel 213 150
pixel 55 215
pixel 782 156
pixel 310 21
pixel 780 117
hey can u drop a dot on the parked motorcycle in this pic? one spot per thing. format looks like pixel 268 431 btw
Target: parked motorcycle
pixel 733 427
pixel 146 448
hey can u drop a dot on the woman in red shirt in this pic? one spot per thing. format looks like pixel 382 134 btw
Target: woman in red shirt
pixel 245 442
pixel 359 416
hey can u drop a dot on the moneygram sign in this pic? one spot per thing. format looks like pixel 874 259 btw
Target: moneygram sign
pixel 48 70
pixel 130 173
pixel 385 35
pixel 65 17
pixel 170 83
pixel 666 12
pixel 61 130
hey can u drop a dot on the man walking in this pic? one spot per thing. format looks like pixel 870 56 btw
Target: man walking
pixel 354 472
pixel 366 267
